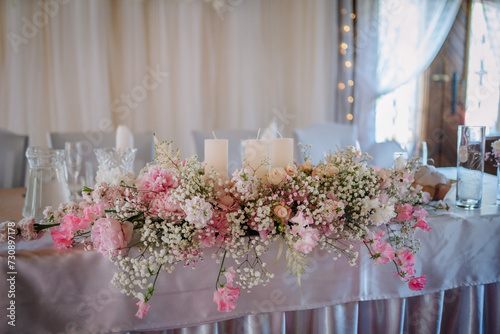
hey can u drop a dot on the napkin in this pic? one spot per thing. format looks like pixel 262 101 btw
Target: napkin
pixel 124 138
pixel 432 181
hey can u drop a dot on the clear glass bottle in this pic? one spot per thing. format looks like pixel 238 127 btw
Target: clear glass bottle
pixel 47 183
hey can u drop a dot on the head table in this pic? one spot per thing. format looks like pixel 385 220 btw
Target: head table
pixel 69 291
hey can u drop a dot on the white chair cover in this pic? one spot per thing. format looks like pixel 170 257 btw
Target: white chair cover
pixel 383 153
pixel 12 159
pixel 324 137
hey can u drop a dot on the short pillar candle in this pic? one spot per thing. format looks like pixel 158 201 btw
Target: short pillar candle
pixel 257 156
pixel 216 156
pixel 281 152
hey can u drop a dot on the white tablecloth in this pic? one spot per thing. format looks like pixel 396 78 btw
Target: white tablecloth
pixel 69 290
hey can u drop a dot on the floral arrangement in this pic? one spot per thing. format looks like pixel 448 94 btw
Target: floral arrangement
pixel 494 155
pixel 173 210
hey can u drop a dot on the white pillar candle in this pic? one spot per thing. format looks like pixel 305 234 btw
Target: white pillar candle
pixel 124 138
pixel 281 152
pixel 216 156
pixel 257 156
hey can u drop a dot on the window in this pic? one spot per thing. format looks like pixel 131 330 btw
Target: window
pixel 483 94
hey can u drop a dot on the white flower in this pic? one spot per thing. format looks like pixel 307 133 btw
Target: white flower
pixel 382 215
pixel 198 212
pixel 496 145
pixel 276 175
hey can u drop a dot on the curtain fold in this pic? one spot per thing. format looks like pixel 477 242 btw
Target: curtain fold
pixel 166 66
pixel 396 41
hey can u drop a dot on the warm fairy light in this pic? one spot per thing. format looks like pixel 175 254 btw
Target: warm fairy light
pixel 353 16
pixel 347 28
pixel 341 85
pixel 348 64
pixel 350 99
pixel 343 11
pixel 350 117
pixel 350 83
pixel 343 52
pixel 343 46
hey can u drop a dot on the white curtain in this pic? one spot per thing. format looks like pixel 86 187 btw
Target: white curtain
pixel 168 66
pixel 385 61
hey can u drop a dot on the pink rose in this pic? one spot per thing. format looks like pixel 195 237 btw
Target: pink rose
pixel 417 283
pixel 110 236
pixel 307 166
pixel 143 309
pixel 280 211
pixel 276 175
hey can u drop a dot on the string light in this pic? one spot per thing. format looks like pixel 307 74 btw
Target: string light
pixel 343 11
pixel 350 117
pixel 344 46
pixel 347 28
pixel 353 16
pixel 341 85
pixel 350 83
pixel 346 24
pixel 350 99
pixel 348 64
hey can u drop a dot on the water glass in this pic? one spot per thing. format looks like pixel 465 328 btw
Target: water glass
pixel 73 159
pixel 470 166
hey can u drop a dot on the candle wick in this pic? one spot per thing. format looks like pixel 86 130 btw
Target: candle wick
pixel 213 133
pixel 279 133
pixel 258 133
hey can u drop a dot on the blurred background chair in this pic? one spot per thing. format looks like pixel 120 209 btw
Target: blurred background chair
pixel 235 144
pixel 12 159
pixel 143 141
pixel 383 153
pixel 323 138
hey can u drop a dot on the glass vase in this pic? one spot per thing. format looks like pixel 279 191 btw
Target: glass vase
pixel 114 163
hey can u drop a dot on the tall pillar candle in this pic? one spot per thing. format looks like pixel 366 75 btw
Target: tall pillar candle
pixel 257 156
pixel 124 138
pixel 281 152
pixel 216 156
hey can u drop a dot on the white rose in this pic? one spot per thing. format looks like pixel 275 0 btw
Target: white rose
pixel 291 169
pixel 276 175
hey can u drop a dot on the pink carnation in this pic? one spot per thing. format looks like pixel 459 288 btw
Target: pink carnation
pixel 143 309
pixel 224 298
pixel 383 253
pixel 404 212
pixel 110 236
pixel 62 237
pixel 417 283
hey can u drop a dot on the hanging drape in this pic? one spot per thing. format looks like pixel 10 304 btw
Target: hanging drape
pixel 385 61
pixel 167 66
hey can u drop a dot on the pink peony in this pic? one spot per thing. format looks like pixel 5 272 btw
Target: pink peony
pixel 417 283
pixel 309 238
pixel 157 179
pixel 143 309
pixel 110 236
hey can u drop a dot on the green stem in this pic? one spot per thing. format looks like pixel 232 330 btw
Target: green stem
pixel 220 270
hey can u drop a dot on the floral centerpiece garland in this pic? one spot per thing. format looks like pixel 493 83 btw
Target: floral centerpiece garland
pixel 172 211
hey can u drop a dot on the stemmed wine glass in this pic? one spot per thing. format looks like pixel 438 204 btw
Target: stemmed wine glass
pixel 73 159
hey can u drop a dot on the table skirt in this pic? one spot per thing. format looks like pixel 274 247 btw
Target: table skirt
pixel 473 309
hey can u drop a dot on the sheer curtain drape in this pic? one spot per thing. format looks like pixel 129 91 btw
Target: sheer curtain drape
pixel 385 61
pixel 167 66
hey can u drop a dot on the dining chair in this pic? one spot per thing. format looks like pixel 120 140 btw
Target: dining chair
pixel 13 161
pixel 383 153
pixel 323 138
pixel 143 141
pixel 235 139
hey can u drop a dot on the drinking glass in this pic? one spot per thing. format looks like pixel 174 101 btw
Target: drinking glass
pixel 470 166
pixel 73 159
